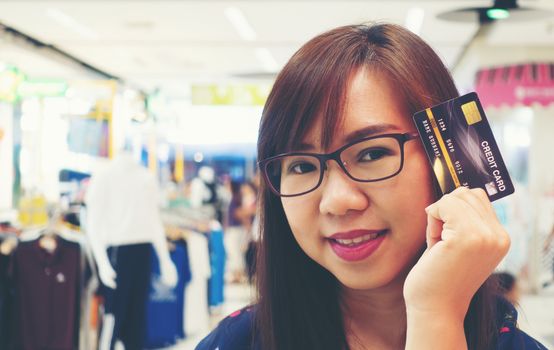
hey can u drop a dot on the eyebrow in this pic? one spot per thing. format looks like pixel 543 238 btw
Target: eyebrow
pixel 357 134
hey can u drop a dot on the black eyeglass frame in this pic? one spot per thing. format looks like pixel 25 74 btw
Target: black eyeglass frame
pixel 323 158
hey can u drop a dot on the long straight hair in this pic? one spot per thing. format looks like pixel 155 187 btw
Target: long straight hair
pixel 298 306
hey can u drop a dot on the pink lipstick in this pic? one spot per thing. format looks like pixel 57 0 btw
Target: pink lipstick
pixel 357 244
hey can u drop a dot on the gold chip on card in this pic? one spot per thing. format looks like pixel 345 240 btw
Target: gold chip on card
pixel 471 112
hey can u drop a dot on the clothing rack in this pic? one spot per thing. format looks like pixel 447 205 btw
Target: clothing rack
pixel 197 219
pixel 186 220
pixel 8 234
pixel 72 270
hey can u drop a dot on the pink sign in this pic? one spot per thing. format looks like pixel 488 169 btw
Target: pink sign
pixel 524 84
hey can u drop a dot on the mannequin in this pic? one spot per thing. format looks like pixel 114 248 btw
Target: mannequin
pixel 123 224
pixel 205 191
pixel 201 192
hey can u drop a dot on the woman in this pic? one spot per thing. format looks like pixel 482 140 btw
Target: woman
pixel 508 286
pixel 250 194
pixel 358 249
pixel 235 235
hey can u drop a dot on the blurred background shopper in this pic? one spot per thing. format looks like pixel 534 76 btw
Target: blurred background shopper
pixel 508 287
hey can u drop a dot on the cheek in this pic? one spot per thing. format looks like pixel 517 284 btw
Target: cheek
pixel 297 212
pixel 413 192
pixel 301 213
pixel 418 176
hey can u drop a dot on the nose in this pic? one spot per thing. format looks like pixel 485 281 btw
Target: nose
pixel 339 193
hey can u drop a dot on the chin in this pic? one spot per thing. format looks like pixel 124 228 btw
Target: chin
pixel 359 285
pixel 363 281
pixel 371 277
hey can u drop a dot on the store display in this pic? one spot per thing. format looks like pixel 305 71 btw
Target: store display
pixel 89 136
pixel 123 218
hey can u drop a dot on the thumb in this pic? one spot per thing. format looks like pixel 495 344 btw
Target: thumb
pixel 434 229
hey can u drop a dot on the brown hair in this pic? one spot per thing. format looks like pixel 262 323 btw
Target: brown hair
pixel 298 299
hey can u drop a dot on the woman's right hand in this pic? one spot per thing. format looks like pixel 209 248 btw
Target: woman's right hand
pixel 465 243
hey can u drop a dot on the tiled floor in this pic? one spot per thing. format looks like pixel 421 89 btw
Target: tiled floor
pixel 536 314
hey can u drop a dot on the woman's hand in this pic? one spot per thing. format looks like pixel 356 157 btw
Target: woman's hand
pixel 465 242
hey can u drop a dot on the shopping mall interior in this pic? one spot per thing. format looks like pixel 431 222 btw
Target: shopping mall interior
pixel 128 142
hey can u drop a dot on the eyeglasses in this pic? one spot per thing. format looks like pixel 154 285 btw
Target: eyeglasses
pixel 367 160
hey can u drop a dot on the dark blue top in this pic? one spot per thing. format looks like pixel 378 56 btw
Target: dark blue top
pixel 235 332
pixel 165 305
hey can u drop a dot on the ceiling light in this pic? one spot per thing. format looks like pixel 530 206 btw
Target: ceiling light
pixel 72 24
pixel 507 10
pixel 496 13
pixel 238 20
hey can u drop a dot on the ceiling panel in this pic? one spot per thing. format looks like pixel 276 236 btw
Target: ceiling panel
pixel 151 42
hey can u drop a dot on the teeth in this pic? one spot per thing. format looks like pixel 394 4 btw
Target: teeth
pixel 357 240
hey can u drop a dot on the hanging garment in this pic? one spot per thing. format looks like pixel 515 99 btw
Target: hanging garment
pixel 234 240
pixel 217 261
pixel 197 318
pixel 47 286
pixel 165 306
pixel 88 286
pixel 6 302
pixel 125 306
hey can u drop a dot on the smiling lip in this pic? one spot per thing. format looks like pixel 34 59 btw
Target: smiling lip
pixel 357 244
pixel 354 234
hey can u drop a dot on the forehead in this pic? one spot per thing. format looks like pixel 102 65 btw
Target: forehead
pixel 371 100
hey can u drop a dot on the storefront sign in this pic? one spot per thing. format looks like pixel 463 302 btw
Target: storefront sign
pixel 524 84
pixel 10 78
pixel 42 88
pixel 239 95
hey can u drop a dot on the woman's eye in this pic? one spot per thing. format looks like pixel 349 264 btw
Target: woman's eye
pixel 301 168
pixel 373 154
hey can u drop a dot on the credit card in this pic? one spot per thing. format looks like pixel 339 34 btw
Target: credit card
pixel 462 150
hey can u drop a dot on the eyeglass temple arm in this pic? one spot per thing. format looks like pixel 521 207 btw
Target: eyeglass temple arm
pixel 411 135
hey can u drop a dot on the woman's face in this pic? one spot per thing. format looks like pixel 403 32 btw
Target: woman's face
pixel 329 222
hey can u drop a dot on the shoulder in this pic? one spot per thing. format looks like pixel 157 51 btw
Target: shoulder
pixel 235 332
pixel 515 338
pixel 510 336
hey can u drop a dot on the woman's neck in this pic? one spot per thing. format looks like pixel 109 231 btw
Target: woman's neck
pixel 375 319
